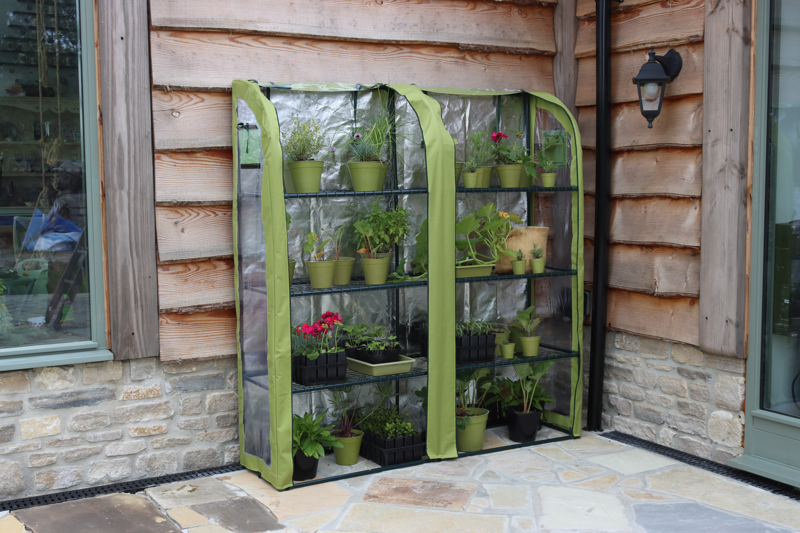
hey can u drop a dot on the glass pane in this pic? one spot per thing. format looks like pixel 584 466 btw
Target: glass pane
pixel 44 275
pixel 781 360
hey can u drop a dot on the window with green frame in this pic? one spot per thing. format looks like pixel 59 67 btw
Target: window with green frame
pixel 51 278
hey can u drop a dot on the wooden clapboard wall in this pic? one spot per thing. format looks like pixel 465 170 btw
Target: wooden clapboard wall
pixel 199 46
pixel 656 174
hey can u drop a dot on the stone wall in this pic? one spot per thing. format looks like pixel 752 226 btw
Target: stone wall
pixel 76 426
pixel 674 395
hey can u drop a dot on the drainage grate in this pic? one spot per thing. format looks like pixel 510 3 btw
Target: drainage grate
pixel 129 486
pixel 768 485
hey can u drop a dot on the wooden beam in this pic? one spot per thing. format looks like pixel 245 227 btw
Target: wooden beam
pixel 210 61
pixel 666 221
pixel 586 8
pixel 482 25
pixel 661 24
pixel 725 150
pixel 194 178
pixel 672 319
pixel 128 179
pixel 194 233
pixel 673 172
pixel 192 287
pixel 565 67
pixel 191 121
pixel 627 65
pixel 656 270
pixel 679 124
pixel 208 335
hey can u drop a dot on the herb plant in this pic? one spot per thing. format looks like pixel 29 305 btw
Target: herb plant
pixel 387 422
pixel 526 321
pixel 314 247
pixel 545 163
pixel 310 437
pixel 537 252
pixel 337 237
pixel 304 141
pixel 517 255
pixel 479 150
pixel 349 416
pixel 380 230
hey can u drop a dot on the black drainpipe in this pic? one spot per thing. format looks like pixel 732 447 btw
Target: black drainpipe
pixel 602 216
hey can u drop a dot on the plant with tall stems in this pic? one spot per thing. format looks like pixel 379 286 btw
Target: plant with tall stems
pixel 380 230
pixel 314 248
pixel 337 237
pixel 349 417
pixel 527 322
pixel 485 226
pixel 472 387
pixel 310 437
pixel 526 392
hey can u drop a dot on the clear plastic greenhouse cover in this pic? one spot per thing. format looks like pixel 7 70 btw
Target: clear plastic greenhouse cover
pixel 405 309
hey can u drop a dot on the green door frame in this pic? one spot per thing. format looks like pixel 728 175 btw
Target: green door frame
pixel 771 439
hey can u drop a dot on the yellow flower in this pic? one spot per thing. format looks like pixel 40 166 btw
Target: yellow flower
pixel 362 251
pixel 319 255
pixel 503 214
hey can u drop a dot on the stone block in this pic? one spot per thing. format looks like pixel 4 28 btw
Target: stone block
pixel 102 372
pixel 169 442
pixel 65 442
pixel 226 420
pixel 695 447
pixel 130 447
pixel 186 367
pixel 147 431
pixel 606 422
pixel 11 479
pixel 686 354
pixel 88 420
pixel 648 414
pixel 700 392
pixel 226 363
pixel 222 401
pixel 143 412
pixel 13 382
pixel 666 437
pixel 726 364
pixel 692 409
pixel 79 454
pixel 7 432
pixel 674 386
pixel 645 378
pixel 723 455
pixel 653 349
pixel 11 408
pixel 142 369
pixel 57 478
pixel 660 366
pixel 41 459
pixel 54 377
pixel 193 383
pixel 219 435
pixel 34 428
pixel 609 386
pixel 635 428
pixel 684 424
pixel 729 392
pixel 725 428
pixel 107 471
pixel 200 422
pixel 231 454
pixel 79 398
pixel 104 436
pixel 199 458
pixel 617 371
pixel 141 393
pixel 660 400
pixel 20 447
pixel 625 359
pixel 631 392
pixel 621 405
pixel 627 342
pixel 191 405
pixel 699 375
pixel 156 464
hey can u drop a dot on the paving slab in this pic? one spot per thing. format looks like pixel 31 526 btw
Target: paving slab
pixel 632 461
pixel 301 501
pixel 187 518
pixel 242 515
pixel 9 524
pixel 697 518
pixel 312 523
pixel 589 444
pixel 115 513
pixel 189 493
pixel 568 508
pixel 420 493
pixel 385 519
pixel 508 496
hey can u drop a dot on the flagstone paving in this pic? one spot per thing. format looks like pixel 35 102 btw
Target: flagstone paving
pixel 588 485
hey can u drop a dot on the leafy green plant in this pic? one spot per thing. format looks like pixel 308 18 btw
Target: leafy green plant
pixel 526 392
pixel 527 322
pixel 388 422
pixel 304 141
pixel 423 393
pixel 472 387
pixel 371 138
pixel 473 327
pixel 537 252
pixel 349 416
pixel 419 263
pixel 545 163
pixel 337 237
pixel 470 166
pixel 288 221
pixel 517 256
pixel 485 226
pixel 507 154
pixel 380 230
pixel 479 149
pixel 359 335
pixel 314 247
pixel 312 340
pixel 310 437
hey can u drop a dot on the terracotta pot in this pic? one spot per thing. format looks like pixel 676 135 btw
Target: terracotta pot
pixel 522 239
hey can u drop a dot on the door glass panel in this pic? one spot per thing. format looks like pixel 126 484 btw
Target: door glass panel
pixel 44 294
pixel 781 357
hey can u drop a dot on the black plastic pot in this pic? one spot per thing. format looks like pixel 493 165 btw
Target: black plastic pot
pixel 387 452
pixel 305 468
pixel 474 349
pixel 522 427
pixel 497 415
pixel 377 358
pixel 327 368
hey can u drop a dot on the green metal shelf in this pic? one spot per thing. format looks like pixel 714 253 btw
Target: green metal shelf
pixel 334 194
pixel 534 188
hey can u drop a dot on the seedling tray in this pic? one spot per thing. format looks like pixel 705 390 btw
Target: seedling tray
pixel 388 452
pixel 327 368
pixel 385 369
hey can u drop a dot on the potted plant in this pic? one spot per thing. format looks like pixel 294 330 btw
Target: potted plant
pixel 378 233
pixel 300 145
pixel 526 325
pixel 510 157
pixel 501 334
pixel 481 152
pixel 377 347
pixel 320 272
pixel 317 357
pixel 349 418
pixel 548 167
pixel 471 417
pixel 309 440
pixel 507 349
pixel 537 263
pixel 517 263
pixel 343 268
pixel 470 174
pixel 292 262
pixel 474 342
pixel 390 439
pixel 525 400
pixel 369 149
pixel 484 237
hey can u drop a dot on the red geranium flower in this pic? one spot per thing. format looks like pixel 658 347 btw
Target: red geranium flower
pixel 498 136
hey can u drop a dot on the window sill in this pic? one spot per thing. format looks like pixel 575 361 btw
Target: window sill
pixel 56 359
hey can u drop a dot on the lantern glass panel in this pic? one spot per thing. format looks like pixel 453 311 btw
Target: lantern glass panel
pixel 651 94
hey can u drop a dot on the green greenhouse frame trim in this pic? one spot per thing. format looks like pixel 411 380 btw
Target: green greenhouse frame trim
pixel 441 372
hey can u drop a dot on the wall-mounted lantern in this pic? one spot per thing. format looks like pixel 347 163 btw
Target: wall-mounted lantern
pixel 652 79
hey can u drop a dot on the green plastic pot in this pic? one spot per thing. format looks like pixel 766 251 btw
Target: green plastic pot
pixel 306 176
pixel 292 266
pixel 470 180
pixel 348 455
pixel 343 270
pixel 509 175
pixel 530 346
pixel 485 179
pixel 368 175
pixel 548 179
pixel 524 179
pixel 459 168
pixel 376 270
pixel 473 271
pixel 471 438
pixel 507 350
pixel 537 265
pixel 518 267
pixel 499 338
pixel 321 274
